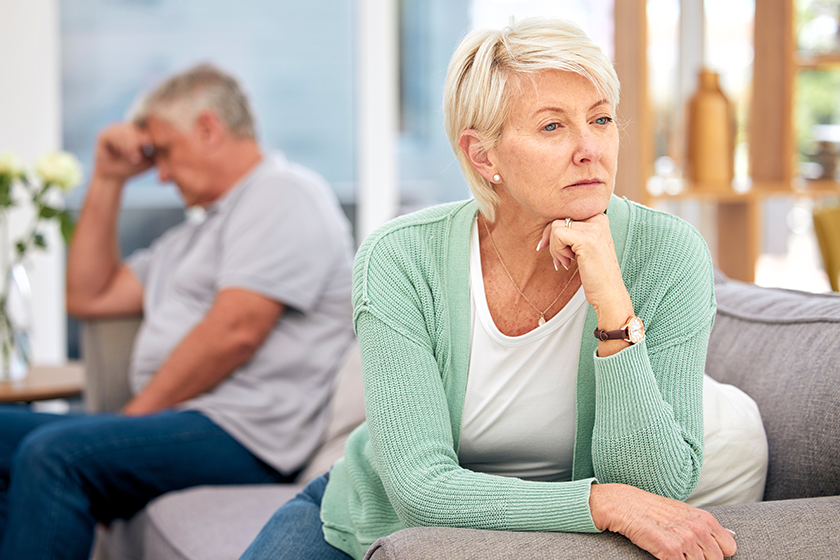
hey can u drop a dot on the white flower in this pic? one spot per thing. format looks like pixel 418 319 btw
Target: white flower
pixel 11 165
pixel 60 168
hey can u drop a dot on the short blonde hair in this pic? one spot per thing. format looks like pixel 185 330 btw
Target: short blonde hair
pixel 181 98
pixel 478 82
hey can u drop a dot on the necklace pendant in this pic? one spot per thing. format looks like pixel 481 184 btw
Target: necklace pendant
pixel 541 322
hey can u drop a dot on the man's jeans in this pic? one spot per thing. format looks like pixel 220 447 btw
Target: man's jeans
pixel 60 475
pixel 295 531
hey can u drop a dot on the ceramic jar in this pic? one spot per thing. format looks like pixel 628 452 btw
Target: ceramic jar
pixel 710 136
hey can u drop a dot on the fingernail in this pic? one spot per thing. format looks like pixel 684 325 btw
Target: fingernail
pixel 539 245
pixel 555 265
pixel 731 531
pixel 564 266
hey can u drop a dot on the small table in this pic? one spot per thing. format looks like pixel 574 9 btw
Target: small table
pixel 44 383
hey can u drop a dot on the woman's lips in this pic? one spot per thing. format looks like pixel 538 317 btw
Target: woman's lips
pixel 587 183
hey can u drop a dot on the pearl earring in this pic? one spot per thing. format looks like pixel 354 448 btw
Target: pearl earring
pixel 497 177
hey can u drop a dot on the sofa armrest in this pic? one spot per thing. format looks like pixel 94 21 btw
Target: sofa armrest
pixel 804 528
pixel 424 543
pixel 801 528
pixel 106 351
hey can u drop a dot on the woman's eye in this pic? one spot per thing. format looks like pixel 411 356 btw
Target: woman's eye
pixel 603 120
pixel 550 127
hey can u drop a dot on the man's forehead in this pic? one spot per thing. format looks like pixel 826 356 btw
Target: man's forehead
pixel 161 131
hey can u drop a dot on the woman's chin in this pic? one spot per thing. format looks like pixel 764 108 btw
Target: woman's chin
pixel 584 209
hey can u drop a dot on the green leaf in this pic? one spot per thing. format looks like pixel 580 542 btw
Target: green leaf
pixel 67 225
pixel 21 247
pixel 39 241
pixel 5 192
pixel 48 212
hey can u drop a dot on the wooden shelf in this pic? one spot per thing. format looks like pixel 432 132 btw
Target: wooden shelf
pixel 817 187
pixel 818 61
pixel 772 155
pixel 758 191
pixel 739 217
pixel 703 196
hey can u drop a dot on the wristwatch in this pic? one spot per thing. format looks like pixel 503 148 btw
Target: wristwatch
pixel 633 331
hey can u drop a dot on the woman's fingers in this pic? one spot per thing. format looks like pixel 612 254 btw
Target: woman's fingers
pixel 725 539
pixel 563 256
pixel 546 237
pixel 589 242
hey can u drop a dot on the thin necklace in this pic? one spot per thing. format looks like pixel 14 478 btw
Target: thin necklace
pixel 541 321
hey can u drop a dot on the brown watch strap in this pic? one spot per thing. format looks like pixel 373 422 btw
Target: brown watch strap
pixel 620 334
pixel 633 331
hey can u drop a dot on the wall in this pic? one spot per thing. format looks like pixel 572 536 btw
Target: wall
pixel 30 124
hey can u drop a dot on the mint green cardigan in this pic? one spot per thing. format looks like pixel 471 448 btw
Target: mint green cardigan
pixel 639 412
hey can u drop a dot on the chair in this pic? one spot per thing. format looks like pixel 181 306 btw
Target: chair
pixel 827 229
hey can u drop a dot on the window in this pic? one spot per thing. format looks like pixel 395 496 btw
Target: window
pixel 294 58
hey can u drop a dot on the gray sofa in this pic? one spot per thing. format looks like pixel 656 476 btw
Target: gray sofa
pixel 781 347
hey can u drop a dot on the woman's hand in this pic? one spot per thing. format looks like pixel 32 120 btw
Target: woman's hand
pixel 668 529
pixel 590 243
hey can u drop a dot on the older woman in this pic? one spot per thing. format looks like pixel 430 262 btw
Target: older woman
pixel 533 359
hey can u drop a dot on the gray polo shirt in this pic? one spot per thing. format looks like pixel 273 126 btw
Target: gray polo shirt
pixel 280 233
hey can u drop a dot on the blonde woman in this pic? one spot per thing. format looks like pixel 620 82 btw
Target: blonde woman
pixel 533 359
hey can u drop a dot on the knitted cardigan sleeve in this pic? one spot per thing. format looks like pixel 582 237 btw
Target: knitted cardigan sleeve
pixel 648 425
pixel 401 320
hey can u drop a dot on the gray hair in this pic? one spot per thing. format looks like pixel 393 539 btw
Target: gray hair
pixel 182 97
pixel 482 71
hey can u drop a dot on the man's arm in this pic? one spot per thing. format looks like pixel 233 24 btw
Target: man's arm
pixel 232 331
pixel 98 283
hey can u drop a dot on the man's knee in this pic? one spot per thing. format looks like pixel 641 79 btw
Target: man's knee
pixel 49 448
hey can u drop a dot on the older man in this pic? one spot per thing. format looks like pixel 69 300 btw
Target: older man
pixel 246 317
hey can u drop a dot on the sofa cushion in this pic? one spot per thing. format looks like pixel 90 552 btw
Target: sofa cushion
pixel 210 522
pixel 782 348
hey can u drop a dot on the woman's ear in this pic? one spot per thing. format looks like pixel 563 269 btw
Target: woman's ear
pixel 472 145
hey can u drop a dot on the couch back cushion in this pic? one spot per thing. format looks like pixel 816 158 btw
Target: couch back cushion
pixel 782 348
pixel 106 350
pixel 347 411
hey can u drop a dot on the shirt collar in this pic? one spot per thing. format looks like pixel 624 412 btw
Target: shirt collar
pixel 225 201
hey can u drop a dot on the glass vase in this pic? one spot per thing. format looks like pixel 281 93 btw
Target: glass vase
pixel 15 320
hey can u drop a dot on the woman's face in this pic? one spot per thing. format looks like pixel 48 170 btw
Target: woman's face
pixel 558 152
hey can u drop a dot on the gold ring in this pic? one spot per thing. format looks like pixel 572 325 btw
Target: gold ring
pixel 569 223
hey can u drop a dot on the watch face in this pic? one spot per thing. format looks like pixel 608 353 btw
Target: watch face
pixel 635 330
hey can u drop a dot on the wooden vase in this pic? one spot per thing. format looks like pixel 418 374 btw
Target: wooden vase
pixel 710 137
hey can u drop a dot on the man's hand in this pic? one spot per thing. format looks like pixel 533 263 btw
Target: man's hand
pixel 119 153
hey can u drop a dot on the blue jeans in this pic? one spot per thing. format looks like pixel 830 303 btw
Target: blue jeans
pixel 60 475
pixel 295 530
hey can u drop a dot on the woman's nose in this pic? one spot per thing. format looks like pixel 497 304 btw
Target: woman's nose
pixel 588 149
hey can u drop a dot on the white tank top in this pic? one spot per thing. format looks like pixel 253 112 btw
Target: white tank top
pixel 519 412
